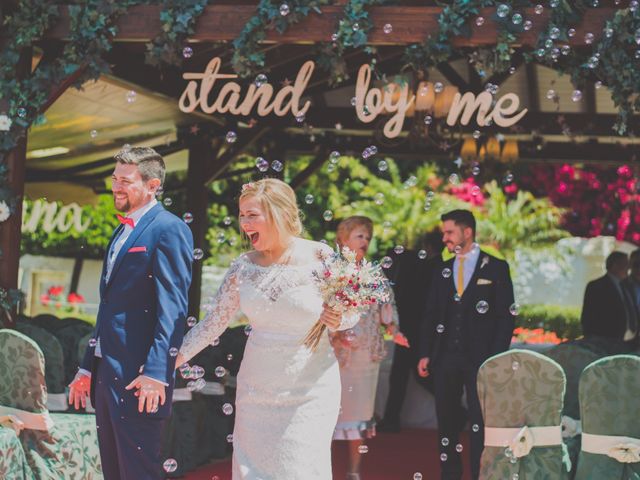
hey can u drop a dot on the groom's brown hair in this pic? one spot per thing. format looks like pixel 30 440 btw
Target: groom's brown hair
pixel 150 163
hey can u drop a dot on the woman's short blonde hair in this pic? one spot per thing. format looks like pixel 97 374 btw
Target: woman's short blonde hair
pixel 279 203
pixel 348 225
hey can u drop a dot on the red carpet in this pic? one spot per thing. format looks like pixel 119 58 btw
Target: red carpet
pixel 391 456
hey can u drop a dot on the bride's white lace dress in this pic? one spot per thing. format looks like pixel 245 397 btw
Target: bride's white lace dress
pixel 288 398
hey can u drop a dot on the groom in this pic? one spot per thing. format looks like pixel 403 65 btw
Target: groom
pixel 467 319
pixel 128 367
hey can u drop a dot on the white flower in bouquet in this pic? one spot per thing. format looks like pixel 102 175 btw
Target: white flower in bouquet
pixel 347 286
pixel 4 211
pixel 5 123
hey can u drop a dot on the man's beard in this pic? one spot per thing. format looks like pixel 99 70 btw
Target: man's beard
pixel 125 207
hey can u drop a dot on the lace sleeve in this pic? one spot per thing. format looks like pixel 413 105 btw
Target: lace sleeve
pixel 220 310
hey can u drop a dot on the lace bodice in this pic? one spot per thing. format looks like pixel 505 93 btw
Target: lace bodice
pixel 277 299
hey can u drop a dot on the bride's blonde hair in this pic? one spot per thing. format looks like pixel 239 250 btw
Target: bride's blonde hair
pixel 279 202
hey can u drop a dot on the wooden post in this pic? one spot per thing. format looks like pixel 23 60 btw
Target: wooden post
pixel 200 154
pixel 11 230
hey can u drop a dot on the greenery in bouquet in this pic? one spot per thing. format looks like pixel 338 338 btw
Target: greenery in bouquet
pixel 347 286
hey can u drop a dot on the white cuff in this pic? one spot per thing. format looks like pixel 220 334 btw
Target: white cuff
pixel 155 380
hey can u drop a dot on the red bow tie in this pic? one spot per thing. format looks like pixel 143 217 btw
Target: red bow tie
pixel 125 220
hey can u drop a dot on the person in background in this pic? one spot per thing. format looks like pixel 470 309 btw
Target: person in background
pixel 410 275
pixel 633 280
pixel 359 351
pixel 467 320
pixel 608 309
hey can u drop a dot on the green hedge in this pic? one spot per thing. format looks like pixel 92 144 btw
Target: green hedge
pixel 564 321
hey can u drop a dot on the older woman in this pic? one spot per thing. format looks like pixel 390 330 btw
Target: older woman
pixel 359 351
pixel 288 396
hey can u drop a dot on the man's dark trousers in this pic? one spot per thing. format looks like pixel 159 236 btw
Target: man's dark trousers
pixel 129 445
pixel 451 375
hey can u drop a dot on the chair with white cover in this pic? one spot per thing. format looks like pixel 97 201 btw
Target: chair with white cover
pixel 521 396
pixel 54 364
pixel 56 445
pixel 609 395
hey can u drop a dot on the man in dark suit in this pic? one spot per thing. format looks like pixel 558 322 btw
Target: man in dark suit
pixel 608 309
pixel 633 281
pixel 410 274
pixel 467 320
pixel 128 367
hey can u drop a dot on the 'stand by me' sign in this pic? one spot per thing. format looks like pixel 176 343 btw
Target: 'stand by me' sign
pixel 370 102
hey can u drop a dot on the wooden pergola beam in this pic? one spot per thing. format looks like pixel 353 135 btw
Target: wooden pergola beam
pixel 411 24
pixel 220 164
pixel 11 229
pixel 320 158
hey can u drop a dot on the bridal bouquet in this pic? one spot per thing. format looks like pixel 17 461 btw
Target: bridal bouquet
pixel 348 287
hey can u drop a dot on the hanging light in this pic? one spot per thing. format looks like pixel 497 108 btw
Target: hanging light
pixel 493 148
pixel 482 153
pixel 510 151
pixel 469 150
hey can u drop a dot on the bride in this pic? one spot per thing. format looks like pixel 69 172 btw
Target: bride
pixel 288 397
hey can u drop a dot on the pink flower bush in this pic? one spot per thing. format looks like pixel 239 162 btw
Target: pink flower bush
pixel 469 192
pixel 600 200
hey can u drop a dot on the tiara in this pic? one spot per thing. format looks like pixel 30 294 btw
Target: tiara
pixel 247 186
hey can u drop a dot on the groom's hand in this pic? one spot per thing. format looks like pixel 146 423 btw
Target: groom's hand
pixel 150 391
pixel 79 390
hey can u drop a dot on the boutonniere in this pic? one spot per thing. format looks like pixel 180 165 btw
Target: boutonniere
pixel 485 260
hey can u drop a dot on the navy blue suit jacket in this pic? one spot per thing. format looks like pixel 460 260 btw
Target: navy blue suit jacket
pixel 143 307
pixel 489 333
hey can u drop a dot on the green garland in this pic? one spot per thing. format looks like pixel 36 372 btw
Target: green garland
pixel 247 58
pixel 352 32
pixel 614 57
pixel 178 22
pixel 452 22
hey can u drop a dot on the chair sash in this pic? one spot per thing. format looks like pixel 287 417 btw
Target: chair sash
pixel 182 395
pixel 622 449
pixel 522 439
pixel 32 421
pixel 570 427
pixel 212 388
pixel 57 402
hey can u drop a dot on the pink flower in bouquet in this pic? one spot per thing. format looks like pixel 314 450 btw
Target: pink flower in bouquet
pixel 45 299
